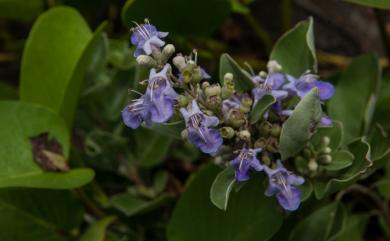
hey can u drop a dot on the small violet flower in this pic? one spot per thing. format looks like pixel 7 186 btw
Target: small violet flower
pixel 301 86
pixel 326 121
pixel 283 184
pixel 207 139
pixel 271 85
pixel 146 38
pixel 245 161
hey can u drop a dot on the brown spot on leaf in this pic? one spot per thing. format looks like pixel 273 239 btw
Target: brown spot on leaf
pixel 48 154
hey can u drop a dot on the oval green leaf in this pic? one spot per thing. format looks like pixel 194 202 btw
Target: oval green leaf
pixel 221 188
pixel 261 106
pixel 97 231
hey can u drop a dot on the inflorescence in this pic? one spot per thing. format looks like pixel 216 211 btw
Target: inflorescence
pixel 217 117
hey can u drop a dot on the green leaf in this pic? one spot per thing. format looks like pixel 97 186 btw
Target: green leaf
pixel 7 92
pixel 334 132
pixel 250 214
pixel 306 189
pixel 361 151
pixel 350 102
pixel 380 145
pixel 242 80
pixel 37 215
pixel 17 167
pixel 21 10
pixel 261 106
pixel 221 188
pixel 60 45
pixel 354 228
pixel 295 50
pixel 297 129
pixel 384 4
pixel 97 231
pixel 132 205
pixel 178 16
pixel 340 160
pixel 172 130
pixel 151 148
pixel 320 225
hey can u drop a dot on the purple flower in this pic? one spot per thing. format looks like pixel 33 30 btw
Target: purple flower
pixel 301 86
pixel 147 39
pixel 207 139
pixel 159 84
pixel 283 184
pixel 326 121
pixel 245 161
pixel 134 113
pixel 271 86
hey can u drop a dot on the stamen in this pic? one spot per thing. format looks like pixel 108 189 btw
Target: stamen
pixel 250 68
pixel 140 31
pixel 195 56
pixel 134 91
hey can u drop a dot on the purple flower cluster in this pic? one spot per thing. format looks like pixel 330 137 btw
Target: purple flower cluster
pixel 214 113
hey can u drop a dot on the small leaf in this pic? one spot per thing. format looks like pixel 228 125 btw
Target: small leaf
pixel 319 225
pixel 97 231
pixel 242 80
pixel 361 151
pixel 306 189
pixel 295 50
pixel 383 4
pixel 131 205
pixel 340 160
pixel 297 129
pixel 354 89
pixel 261 106
pixel 334 132
pixel 221 188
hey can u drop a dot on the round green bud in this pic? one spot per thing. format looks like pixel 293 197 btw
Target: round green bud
pixel 227 132
pixel 265 128
pixel 237 118
pixel 180 62
pixel 261 143
pixel 213 101
pixel 246 101
pixel 325 159
pixel 276 129
pixel 205 84
pixel 244 135
pixel 187 75
pixel 212 90
pixel 167 52
pixel 312 165
pixel 182 100
pixel 326 150
pixel 263 74
pixel 228 77
pixel 325 141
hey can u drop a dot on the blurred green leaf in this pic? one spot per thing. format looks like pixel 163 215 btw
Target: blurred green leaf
pixel 17 168
pixel 356 86
pixel 151 148
pixel 97 231
pixel 250 214
pixel 261 106
pixel 306 189
pixel 320 225
pixel 361 151
pixel 21 10
pixel 242 80
pixel 37 215
pixel 221 188
pixel 61 46
pixel 172 130
pixel 297 129
pixel 295 50
pixel 178 16
pixel 384 4
pixel 132 205
pixel 340 160
pixel 239 7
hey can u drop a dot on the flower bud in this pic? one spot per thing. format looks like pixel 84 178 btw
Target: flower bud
pixel 261 143
pixel 146 61
pixel 325 141
pixel 212 90
pixel 197 74
pixel 246 101
pixel 182 100
pixel 265 128
pixel 266 160
pixel 228 88
pixel 312 165
pixel 228 77
pixel 187 76
pixel 326 150
pixel 205 84
pixel 213 101
pixel 263 74
pixel 244 135
pixel 184 134
pixel 227 132
pixel 325 159
pixel 273 66
pixel 167 52
pixel 237 118
pixel 180 62
pixel 275 131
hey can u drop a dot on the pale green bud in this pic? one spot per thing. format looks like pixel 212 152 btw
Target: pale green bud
pixel 146 61
pixel 273 66
pixel 227 132
pixel 244 135
pixel 180 62
pixel 167 52
pixel 312 165
pixel 182 100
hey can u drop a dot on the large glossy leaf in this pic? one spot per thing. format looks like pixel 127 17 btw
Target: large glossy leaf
pixel 249 216
pixel 221 188
pixel 261 106
pixel 295 50
pixel 17 167
pixel 37 215
pixel 361 151
pixel 20 10
pixel 242 80
pixel 60 45
pixel 97 231
pixel 350 103
pixel 320 225
pixel 384 4
pixel 132 205
pixel 297 129
pixel 178 16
